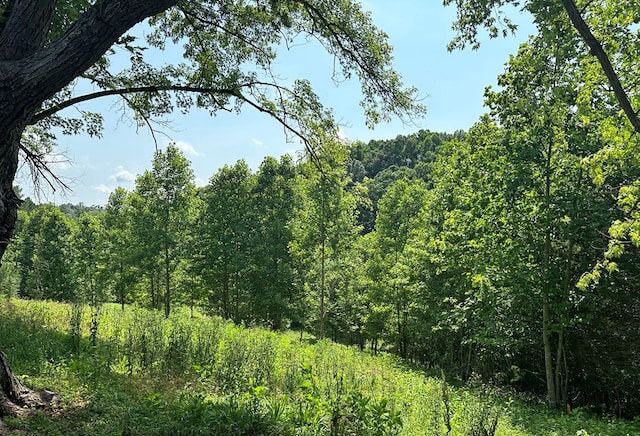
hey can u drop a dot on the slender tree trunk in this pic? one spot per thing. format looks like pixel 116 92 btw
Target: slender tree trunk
pixel 546 286
pixel 548 357
pixel 399 329
pixel 121 288
pixel 275 312
pixel 559 359
pixel 561 355
pixel 236 317
pixel 405 332
pixel 322 288
pixel 323 249
pixel 226 297
pixel 152 280
pixel 167 282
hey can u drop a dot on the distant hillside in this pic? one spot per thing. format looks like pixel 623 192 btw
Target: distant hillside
pixel 377 164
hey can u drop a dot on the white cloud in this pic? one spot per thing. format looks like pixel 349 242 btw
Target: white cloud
pixel 342 135
pixel 103 188
pixel 187 148
pixel 121 175
pixel 257 142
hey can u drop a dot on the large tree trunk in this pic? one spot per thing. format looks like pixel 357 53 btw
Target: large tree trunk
pixel 9 202
pixel 15 398
pixel 32 70
pixel 18 400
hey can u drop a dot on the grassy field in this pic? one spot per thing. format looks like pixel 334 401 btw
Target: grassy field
pixel 135 373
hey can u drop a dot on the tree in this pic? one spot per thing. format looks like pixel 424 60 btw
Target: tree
pixel 45 45
pixel 538 100
pixel 398 210
pixel 120 270
pixel 88 242
pixel 603 40
pixel 324 226
pixel 613 21
pixel 274 201
pixel 46 259
pixel 225 236
pixel 146 239
pixel 87 245
pixel 377 164
pixel 167 192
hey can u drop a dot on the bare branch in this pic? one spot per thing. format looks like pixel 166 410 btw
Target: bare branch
pixel 39 170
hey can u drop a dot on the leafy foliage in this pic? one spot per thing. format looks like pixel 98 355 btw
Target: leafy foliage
pixel 504 254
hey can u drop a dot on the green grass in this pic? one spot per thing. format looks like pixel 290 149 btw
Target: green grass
pixel 139 374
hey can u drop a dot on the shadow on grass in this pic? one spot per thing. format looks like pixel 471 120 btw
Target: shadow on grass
pixel 117 404
pixel 96 400
pixel 29 341
pixel 44 357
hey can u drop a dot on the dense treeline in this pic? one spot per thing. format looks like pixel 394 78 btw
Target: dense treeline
pixel 505 253
pixel 461 267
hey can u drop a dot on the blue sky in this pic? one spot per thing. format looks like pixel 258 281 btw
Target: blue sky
pixel 451 84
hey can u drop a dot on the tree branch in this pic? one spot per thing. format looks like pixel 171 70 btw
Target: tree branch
pixel 235 92
pixel 191 16
pixel 38 167
pixel 22 37
pixel 97 29
pixel 124 91
pixel 283 121
pixel 597 50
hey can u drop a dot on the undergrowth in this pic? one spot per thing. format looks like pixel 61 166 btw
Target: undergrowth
pixel 133 372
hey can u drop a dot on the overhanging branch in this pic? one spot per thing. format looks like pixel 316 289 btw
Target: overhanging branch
pixel 234 92
pixel 125 91
pixel 39 168
pixel 307 144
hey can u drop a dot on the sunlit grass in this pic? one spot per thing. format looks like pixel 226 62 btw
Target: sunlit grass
pixel 142 374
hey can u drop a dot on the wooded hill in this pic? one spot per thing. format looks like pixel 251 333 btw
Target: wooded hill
pixel 474 252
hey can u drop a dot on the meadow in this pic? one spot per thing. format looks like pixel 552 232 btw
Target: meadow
pixel 133 372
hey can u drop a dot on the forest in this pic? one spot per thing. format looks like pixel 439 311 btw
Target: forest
pixel 502 256
pixel 445 249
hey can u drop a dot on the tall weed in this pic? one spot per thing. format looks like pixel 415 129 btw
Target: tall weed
pixel 149 375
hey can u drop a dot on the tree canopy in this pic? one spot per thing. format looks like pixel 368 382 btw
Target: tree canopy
pixel 228 47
